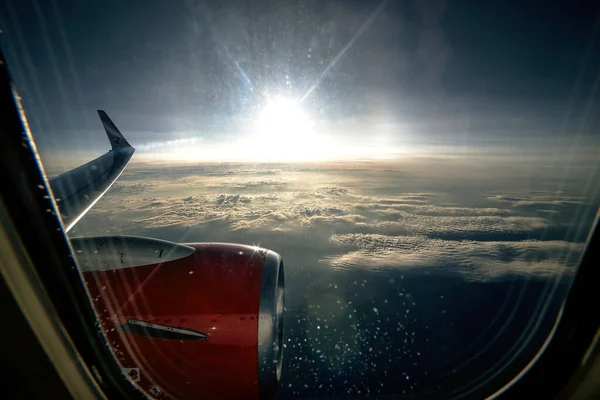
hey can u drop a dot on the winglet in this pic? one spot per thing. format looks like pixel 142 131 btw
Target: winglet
pixel 116 138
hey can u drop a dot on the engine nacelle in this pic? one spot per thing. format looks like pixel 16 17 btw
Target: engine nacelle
pixel 200 320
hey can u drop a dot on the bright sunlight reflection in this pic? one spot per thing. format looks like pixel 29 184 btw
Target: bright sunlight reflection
pixel 281 119
pixel 284 131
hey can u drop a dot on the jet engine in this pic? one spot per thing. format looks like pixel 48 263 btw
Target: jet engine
pixel 187 321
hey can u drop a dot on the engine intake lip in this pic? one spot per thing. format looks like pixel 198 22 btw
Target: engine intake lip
pixel 270 324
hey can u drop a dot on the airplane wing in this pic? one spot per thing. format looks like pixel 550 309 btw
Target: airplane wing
pixel 76 191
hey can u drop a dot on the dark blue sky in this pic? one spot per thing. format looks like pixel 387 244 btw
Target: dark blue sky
pixel 163 68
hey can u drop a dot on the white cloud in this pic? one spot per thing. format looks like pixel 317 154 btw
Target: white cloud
pixel 435 210
pixel 432 225
pixel 292 211
pixel 120 188
pixel 539 199
pixel 474 260
pixel 370 223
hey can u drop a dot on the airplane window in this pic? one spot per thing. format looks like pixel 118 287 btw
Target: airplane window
pixel 321 198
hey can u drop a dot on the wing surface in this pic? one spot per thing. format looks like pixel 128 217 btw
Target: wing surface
pixel 77 191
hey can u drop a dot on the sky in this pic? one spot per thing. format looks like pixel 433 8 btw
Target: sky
pixel 189 79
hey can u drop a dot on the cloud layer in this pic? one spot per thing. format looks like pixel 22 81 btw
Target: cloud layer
pixel 474 260
pixel 360 218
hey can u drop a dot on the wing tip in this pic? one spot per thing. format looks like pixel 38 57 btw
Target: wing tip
pixel 116 138
pixel 102 114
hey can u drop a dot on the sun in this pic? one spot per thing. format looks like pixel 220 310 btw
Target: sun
pixel 281 119
pixel 284 130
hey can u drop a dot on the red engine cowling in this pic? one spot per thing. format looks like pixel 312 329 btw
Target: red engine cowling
pixel 202 320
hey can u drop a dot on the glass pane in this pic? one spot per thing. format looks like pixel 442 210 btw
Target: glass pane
pixel 426 171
